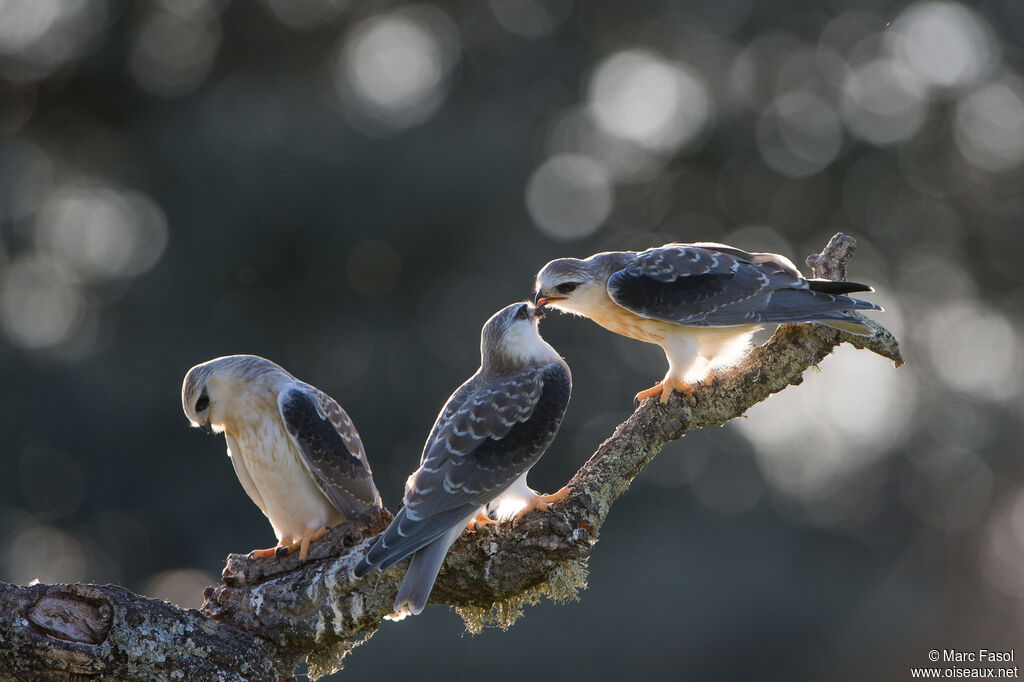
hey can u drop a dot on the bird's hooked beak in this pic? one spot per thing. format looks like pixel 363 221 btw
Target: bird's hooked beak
pixel 206 426
pixel 537 312
pixel 542 300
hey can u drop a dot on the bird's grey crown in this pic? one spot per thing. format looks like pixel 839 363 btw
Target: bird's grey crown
pixel 246 367
pixel 598 267
pixel 494 336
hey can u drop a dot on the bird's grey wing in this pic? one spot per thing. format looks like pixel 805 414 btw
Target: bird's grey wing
pixel 496 429
pixel 712 285
pixel 242 472
pixel 329 447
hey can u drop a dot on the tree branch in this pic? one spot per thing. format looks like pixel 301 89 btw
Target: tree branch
pixel 269 614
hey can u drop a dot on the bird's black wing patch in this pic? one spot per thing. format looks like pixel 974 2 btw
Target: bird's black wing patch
pixel 330 447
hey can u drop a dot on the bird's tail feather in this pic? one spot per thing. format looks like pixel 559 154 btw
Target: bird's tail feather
pixel 849 324
pixel 829 286
pixel 423 570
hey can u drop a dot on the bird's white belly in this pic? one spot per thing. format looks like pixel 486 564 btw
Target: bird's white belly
pixel 691 351
pixel 291 499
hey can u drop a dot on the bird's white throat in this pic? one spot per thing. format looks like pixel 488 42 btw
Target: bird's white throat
pixel 522 343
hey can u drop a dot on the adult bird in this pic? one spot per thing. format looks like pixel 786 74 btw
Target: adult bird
pixel 488 435
pixel 295 451
pixel 700 302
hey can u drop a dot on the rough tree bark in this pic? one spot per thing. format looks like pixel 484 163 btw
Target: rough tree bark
pixel 270 614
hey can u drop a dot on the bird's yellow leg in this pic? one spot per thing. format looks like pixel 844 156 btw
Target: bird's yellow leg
pixel 281 546
pixel 543 503
pixel 677 385
pixel 309 536
pixel 479 521
pixel 653 392
pixel 664 389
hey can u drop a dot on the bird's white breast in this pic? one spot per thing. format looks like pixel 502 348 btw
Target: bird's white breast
pixel 291 499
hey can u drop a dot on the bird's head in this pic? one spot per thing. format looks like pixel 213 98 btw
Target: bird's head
pixel 510 338
pixel 210 388
pixel 571 285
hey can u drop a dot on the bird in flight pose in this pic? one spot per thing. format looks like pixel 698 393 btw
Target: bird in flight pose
pixel 488 435
pixel 700 302
pixel 295 451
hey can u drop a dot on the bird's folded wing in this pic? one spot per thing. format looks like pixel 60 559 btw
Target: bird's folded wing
pixel 330 448
pixel 702 285
pixel 469 453
pixel 490 431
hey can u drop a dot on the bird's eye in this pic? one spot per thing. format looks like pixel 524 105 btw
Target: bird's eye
pixel 523 312
pixel 202 403
pixel 567 288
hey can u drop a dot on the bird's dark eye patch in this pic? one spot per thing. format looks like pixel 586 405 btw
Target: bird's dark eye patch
pixel 523 312
pixel 567 288
pixel 202 403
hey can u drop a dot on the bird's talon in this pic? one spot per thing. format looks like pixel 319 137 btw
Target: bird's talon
pixel 543 503
pixel 264 553
pixel 478 522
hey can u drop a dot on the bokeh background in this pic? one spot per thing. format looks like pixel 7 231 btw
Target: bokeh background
pixel 352 188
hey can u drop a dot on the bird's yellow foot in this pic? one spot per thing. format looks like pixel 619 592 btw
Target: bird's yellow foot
pixel 543 503
pixel 664 389
pixel 653 392
pixel 309 536
pixel 479 521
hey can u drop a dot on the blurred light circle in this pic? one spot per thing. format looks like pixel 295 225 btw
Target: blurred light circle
pixel 102 231
pixel 40 304
pixel 47 554
pixel 1003 547
pixel 26 21
pixel 625 161
pixel 799 134
pixel 641 97
pixel 990 125
pixel 171 54
pixel 975 349
pixel 530 18
pixel 182 587
pixel 881 103
pixel 393 67
pixel 305 13
pixel 569 196
pixel 854 413
pixel 945 44
pixel 44 34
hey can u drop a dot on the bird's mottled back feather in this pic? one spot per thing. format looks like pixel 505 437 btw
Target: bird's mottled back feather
pixel 710 285
pixel 492 429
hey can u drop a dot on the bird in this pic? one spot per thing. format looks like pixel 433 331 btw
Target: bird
pixel 489 433
pixel 700 302
pixel 293 448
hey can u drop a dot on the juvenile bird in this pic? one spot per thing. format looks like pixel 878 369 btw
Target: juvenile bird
pixel 700 302
pixel 488 435
pixel 295 451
